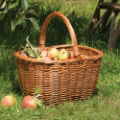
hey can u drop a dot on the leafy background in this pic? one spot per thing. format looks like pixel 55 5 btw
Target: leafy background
pixel 20 18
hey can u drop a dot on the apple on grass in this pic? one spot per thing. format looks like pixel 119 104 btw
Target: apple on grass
pixel 63 54
pixel 8 101
pixel 30 102
pixel 53 53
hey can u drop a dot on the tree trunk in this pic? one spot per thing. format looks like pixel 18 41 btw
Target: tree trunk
pixel 114 32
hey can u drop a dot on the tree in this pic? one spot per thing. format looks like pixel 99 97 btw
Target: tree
pixel 19 12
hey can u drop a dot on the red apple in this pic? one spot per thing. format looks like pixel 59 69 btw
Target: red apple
pixel 29 102
pixel 8 101
pixel 43 55
pixel 71 55
pixel 53 53
pixel 63 54
pixel 47 59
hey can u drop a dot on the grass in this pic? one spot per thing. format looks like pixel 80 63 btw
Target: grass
pixel 103 105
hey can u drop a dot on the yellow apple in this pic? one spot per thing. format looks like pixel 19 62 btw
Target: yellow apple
pixel 53 53
pixel 63 54
pixel 8 101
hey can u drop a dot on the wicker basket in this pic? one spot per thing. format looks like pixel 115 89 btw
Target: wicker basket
pixel 60 80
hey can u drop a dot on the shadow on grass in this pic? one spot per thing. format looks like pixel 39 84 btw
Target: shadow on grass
pixel 96 91
pixel 8 73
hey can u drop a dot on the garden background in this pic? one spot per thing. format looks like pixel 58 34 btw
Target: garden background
pixel 23 19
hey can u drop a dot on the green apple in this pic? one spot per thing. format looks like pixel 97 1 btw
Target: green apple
pixel 53 53
pixel 63 54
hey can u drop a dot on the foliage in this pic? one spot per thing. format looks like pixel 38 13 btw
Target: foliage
pixel 30 50
pixel 18 12
pixel 103 105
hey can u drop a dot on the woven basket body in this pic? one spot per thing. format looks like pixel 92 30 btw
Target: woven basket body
pixel 59 81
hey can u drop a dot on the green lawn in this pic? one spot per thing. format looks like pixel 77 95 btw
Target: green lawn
pixel 103 105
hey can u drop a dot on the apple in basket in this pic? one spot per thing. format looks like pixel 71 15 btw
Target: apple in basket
pixel 8 101
pixel 53 53
pixel 43 55
pixel 71 55
pixel 63 54
pixel 30 102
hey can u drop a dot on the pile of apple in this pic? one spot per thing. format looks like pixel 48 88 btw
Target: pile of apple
pixel 28 102
pixel 46 54
pixel 55 54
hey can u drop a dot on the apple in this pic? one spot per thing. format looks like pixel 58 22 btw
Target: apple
pixel 53 53
pixel 71 55
pixel 43 55
pixel 63 54
pixel 47 59
pixel 8 101
pixel 29 102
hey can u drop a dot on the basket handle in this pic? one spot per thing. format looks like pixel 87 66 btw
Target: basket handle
pixel 70 29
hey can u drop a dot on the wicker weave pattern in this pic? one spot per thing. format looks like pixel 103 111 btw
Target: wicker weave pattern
pixel 59 81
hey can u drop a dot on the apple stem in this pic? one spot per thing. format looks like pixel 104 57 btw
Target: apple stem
pixel 38 96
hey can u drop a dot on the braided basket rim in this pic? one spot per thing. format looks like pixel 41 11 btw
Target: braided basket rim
pixel 99 54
